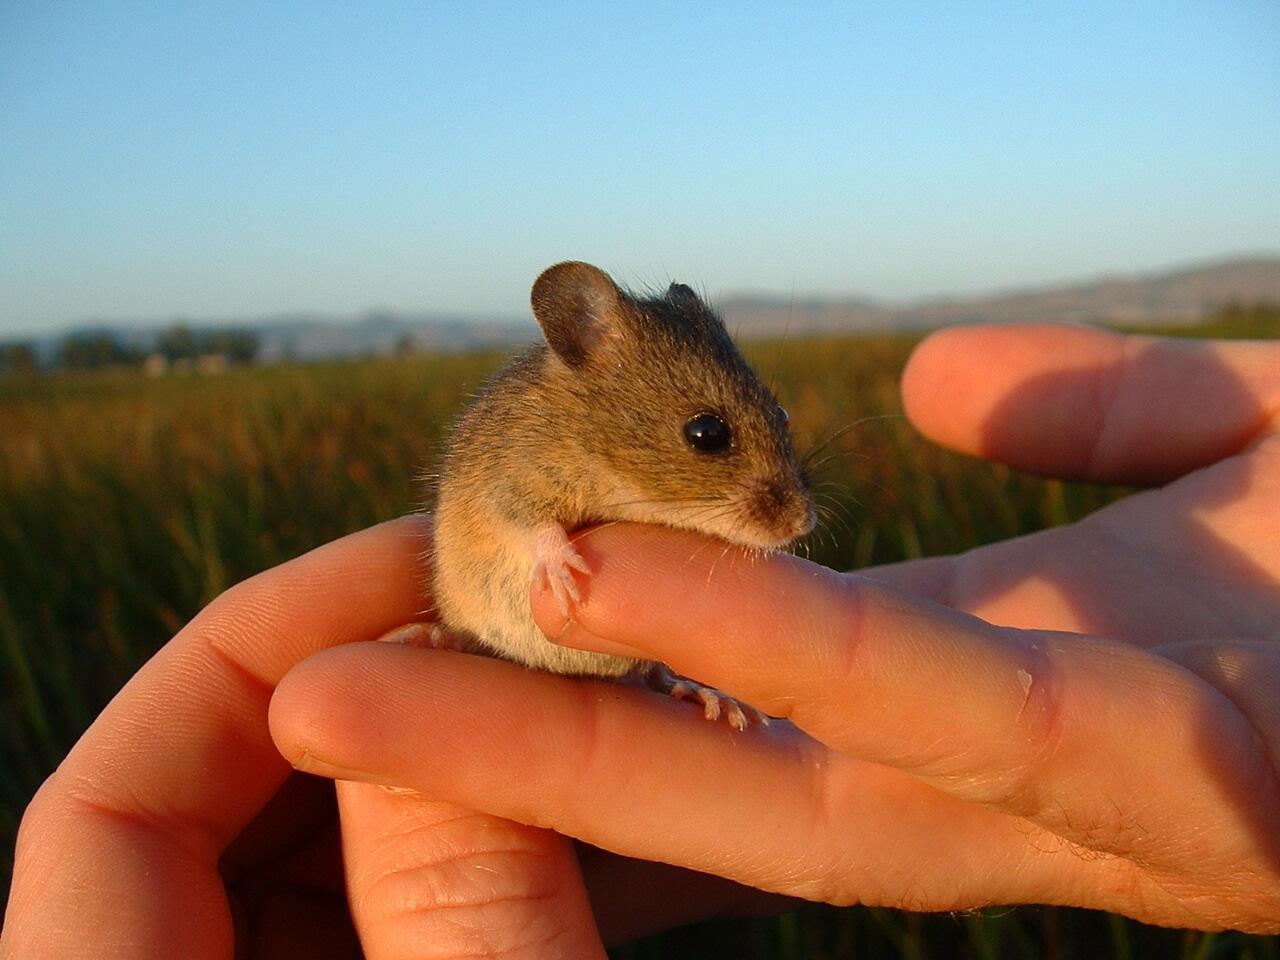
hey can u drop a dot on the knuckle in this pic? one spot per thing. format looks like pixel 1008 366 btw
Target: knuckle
pixel 1037 738
pixel 825 660
pixel 844 653
pixel 480 888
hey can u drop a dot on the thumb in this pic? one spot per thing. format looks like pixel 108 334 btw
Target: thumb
pixel 428 879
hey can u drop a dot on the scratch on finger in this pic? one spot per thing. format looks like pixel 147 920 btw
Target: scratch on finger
pixel 1024 680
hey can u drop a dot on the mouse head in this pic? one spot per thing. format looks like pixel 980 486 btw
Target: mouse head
pixel 669 412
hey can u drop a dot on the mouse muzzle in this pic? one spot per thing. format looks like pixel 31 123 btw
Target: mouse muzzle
pixel 781 508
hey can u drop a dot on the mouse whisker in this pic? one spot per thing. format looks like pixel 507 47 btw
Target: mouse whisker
pixel 832 508
pixel 889 491
pixel 715 563
pixel 844 431
pixel 602 525
pixel 710 516
pixel 840 515
pixel 844 490
pixel 829 466
pixel 658 502
pixel 825 485
pixel 698 550
pixel 683 504
pixel 827 532
pixel 829 489
pixel 822 532
pixel 838 507
pixel 815 466
pixel 711 512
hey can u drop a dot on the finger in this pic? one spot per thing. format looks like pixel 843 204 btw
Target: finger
pixel 933 578
pixel 1074 402
pixel 646 777
pixel 1035 724
pixel 140 810
pixel 432 880
pixel 1240 669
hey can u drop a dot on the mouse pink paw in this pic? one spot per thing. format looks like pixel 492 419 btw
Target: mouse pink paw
pixel 554 560
pixel 714 703
pixel 423 634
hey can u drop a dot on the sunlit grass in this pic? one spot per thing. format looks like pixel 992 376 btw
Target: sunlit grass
pixel 126 504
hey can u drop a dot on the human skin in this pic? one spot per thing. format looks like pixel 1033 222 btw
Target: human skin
pixel 1112 743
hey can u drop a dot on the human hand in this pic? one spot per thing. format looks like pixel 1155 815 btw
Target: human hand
pixel 175 829
pixel 940 761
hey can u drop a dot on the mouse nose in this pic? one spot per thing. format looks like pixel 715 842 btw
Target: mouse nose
pixel 806 520
pixel 781 504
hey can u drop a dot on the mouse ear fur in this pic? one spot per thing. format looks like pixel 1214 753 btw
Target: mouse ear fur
pixel 683 296
pixel 576 305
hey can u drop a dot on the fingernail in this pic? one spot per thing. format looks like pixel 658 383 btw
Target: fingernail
pixel 310 763
pixel 572 635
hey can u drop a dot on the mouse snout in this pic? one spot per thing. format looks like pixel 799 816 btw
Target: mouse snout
pixel 772 497
pixel 782 505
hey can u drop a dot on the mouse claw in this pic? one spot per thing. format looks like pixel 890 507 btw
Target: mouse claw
pixel 561 583
pixel 424 634
pixel 555 559
pixel 714 703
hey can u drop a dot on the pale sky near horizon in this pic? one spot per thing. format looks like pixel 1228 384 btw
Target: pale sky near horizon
pixel 240 159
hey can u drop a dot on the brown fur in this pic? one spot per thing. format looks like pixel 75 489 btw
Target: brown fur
pixel 590 429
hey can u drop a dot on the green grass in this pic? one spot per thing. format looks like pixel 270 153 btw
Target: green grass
pixel 126 504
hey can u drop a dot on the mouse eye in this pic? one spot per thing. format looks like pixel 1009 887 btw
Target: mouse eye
pixel 707 433
pixel 783 415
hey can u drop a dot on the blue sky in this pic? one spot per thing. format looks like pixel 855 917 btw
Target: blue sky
pixel 238 159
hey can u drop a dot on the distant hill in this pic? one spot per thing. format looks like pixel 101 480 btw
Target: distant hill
pixel 306 336
pixel 383 333
pixel 1175 296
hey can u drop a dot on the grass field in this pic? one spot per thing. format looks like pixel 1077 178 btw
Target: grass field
pixel 127 503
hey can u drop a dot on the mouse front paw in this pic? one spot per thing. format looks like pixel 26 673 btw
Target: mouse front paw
pixel 554 560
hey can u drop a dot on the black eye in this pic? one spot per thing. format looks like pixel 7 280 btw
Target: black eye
pixel 707 433
pixel 783 415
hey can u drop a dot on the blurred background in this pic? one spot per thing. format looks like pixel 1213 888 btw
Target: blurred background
pixel 253 257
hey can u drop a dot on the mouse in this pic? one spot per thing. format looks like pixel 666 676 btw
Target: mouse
pixel 636 408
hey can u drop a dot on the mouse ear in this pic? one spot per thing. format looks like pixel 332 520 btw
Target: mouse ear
pixel 576 305
pixel 683 296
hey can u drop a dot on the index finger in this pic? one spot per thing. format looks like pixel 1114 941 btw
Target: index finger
pixel 1037 724
pixel 1075 402
pixel 142 807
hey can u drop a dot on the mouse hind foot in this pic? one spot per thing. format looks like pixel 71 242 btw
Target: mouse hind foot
pixel 660 677
pixel 422 634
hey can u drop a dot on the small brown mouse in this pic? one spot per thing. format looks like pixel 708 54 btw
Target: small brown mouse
pixel 636 409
